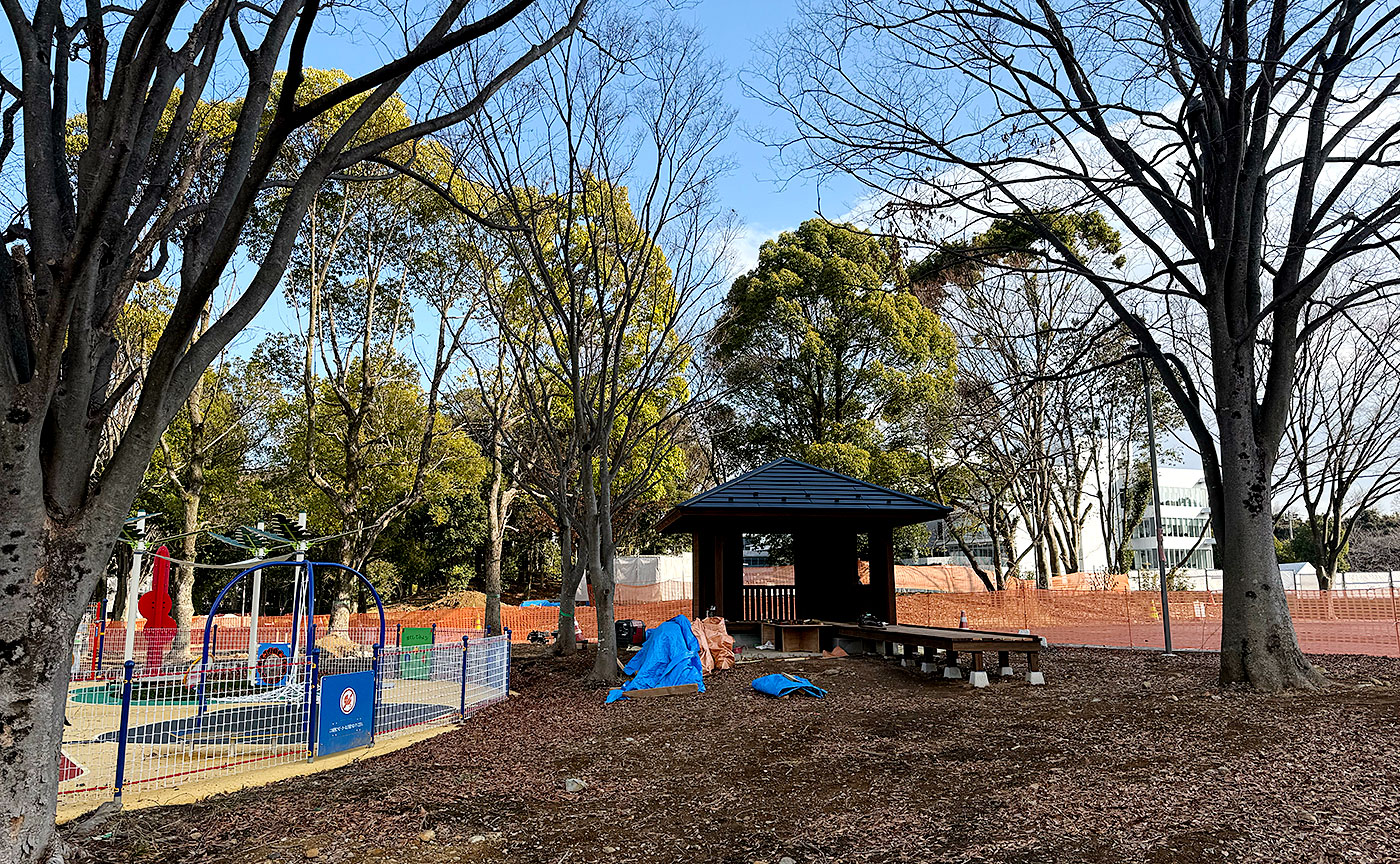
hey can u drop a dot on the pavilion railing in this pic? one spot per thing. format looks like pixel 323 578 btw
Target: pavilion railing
pixel 770 603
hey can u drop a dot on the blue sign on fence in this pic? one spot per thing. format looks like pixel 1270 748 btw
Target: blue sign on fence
pixel 347 712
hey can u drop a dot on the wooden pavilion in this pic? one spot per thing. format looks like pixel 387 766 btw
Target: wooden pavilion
pixel 825 513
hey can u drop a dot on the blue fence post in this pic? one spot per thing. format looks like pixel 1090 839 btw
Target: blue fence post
pixel 214 638
pixel 434 633
pixel 122 730
pixel 374 705
pixel 509 648
pixel 466 640
pixel 315 706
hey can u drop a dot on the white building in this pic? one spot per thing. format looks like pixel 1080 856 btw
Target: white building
pixel 1187 539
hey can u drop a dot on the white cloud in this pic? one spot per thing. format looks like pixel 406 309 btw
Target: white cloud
pixel 743 249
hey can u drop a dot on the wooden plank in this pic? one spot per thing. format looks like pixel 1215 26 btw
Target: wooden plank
pixel 948 639
pixel 669 690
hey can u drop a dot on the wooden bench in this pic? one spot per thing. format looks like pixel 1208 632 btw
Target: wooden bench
pixel 951 641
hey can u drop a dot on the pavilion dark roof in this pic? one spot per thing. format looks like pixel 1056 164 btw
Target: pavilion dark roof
pixel 789 488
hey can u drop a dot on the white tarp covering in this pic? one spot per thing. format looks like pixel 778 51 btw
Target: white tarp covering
pixel 649 578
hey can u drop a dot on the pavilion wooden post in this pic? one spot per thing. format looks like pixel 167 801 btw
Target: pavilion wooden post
pixel 731 581
pixel 881 595
pixel 702 568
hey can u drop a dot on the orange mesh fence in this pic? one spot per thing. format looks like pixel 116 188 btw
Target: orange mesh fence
pixel 520 620
pixel 1356 621
pixel 1327 622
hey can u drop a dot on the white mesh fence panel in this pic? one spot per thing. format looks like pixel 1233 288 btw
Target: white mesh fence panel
pixel 244 723
pixel 186 723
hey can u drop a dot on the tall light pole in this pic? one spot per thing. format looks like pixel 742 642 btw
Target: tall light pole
pixel 1156 500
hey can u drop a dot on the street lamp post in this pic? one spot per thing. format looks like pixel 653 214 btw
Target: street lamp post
pixel 1156 501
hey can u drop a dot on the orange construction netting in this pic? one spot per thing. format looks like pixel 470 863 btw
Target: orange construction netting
pixel 1327 622
pixel 1356 621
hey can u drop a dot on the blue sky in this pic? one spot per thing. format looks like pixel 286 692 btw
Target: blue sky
pixel 766 200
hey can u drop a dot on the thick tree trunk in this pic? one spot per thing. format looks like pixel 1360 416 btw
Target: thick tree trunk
pixel 497 514
pixel 494 551
pixel 1257 644
pixel 571 572
pixel 347 590
pixel 47 572
pixel 345 587
pixel 603 553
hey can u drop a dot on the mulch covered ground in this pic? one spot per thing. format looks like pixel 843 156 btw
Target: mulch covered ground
pixel 1121 757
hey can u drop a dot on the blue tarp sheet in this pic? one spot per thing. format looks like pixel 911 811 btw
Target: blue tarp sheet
pixel 669 656
pixel 779 684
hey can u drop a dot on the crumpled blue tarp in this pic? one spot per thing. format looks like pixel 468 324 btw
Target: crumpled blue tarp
pixel 669 656
pixel 779 684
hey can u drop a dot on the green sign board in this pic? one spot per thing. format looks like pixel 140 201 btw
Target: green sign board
pixel 416 664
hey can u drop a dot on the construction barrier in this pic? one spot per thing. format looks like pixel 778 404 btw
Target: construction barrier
pixel 1362 621
pixel 1355 621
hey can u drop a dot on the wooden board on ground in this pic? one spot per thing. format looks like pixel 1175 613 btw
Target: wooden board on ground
pixel 669 690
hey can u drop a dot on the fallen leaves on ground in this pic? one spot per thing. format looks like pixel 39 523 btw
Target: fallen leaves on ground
pixel 1122 756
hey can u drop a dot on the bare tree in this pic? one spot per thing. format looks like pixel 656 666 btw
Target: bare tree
pixel 1342 455
pixel 375 254
pixel 1037 363
pixel 1244 151
pixel 497 395
pixel 124 208
pixel 200 455
pixel 614 244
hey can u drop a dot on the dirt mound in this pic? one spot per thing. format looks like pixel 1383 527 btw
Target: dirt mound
pixel 335 645
pixel 458 600
pixel 450 600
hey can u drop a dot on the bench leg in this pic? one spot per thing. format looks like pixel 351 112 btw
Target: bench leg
pixel 1033 664
pixel 951 670
pixel 978 678
pixel 1004 661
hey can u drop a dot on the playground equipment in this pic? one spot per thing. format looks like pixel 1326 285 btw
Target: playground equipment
pixel 281 696
pixel 304 594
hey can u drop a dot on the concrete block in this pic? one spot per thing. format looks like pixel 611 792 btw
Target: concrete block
pixel 978 679
pixel 952 672
pixel 1035 677
pixel 927 666
pixel 1005 671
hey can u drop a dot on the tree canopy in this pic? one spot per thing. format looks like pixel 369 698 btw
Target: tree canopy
pixel 828 357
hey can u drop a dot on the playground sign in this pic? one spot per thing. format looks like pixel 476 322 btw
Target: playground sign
pixel 417 665
pixel 347 712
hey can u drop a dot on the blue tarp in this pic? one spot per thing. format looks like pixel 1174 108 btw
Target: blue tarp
pixel 669 656
pixel 539 603
pixel 779 684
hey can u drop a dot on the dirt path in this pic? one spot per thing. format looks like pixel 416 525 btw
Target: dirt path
pixel 1122 757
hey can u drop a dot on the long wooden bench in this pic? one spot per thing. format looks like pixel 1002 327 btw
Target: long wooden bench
pixel 951 641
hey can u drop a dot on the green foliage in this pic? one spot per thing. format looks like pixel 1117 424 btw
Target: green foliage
pixel 437 542
pixel 382 473
pixel 1304 546
pixel 829 358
